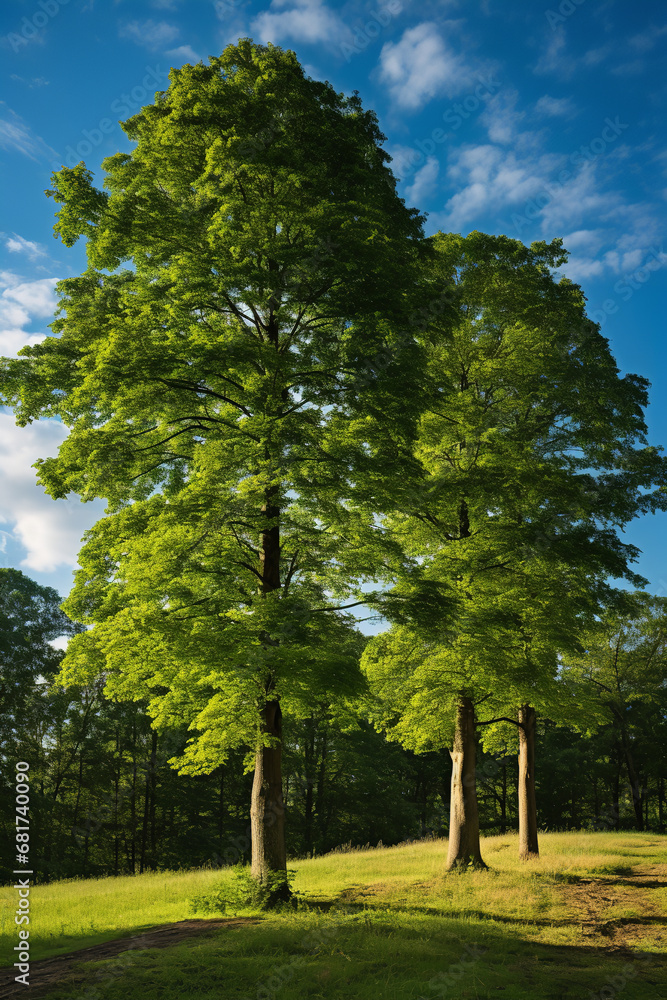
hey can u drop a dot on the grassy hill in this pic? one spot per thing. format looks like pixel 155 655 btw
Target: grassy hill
pixel 586 920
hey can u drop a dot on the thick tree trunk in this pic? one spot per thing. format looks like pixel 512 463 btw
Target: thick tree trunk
pixel 267 813
pixel 464 849
pixel 528 847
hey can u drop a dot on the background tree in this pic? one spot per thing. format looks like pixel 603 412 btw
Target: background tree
pixel 30 619
pixel 625 664
pixel 532 454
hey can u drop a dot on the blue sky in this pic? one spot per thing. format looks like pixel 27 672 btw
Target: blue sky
pixel 507 116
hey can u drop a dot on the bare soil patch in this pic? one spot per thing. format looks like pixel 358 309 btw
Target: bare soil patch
pixel 595 900
pixel 49 973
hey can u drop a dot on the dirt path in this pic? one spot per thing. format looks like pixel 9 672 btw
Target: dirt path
pixel 62 970
pixel 596 899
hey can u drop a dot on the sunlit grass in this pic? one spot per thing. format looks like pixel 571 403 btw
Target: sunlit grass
pixel 398 923
pixel 71 914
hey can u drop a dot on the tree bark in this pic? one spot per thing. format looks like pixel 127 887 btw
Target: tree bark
pixel 267 813
pixel 503 801
pixel 528 846
pixel 633 779
pixel 464 850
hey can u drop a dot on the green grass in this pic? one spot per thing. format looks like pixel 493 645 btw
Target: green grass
pixel 396 927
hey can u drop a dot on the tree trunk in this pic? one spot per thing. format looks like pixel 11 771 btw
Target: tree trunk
pixel 503 801
pixel 616 792
pixel 153 818
pixel 528 847
pixel 309 767
pixel 633 778
pixel 464 849
pixel 221 809
pixel 267 813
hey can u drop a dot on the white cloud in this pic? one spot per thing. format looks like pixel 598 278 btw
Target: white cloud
pixel 19 303
pixel 424 183
pixel 646 40
pixel 17 244
pixel 35 296
pixel 633 68
pixel 184 53
pixel 34 81
pixel 582 195
pixel 302 20
pixel 501 118
pixel 555 107
pixel 490 180
pixel 558 61
pixel 49 530
pixel 151 34
pixel 422 65
pixel 15 134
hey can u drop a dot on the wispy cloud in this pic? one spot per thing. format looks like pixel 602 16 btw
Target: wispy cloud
pixel 32 82
pixel 184 53
pixel 424 183
pixel 422 65
pixel 16 134
pixel 555 107
pixel 17 244
pixel 490 180
pixel 557 60
pixel 150 34
pixel 647 40
pixel 501 117
pixel 301 20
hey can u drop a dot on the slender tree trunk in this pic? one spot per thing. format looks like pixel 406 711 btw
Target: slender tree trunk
pixel 503 800
pixel 309 768
pixel 633 778
pixel 133 800
pixel 322 815
pixel 267 813
pixel 221 808
pixel 616 802
pixel 528 847
pixel 153 778
pixel 116 844
pixel 144 823
pixel 464 849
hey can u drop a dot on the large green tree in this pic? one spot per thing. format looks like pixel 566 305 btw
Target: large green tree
pixel 532 456
pixel 624 666
pixel 30 619
pixel 209 389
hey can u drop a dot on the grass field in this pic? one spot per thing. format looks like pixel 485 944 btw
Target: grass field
pixel 586 920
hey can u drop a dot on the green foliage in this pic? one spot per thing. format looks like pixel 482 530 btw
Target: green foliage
pixel 241 891
pixel 30 618
pixel 227 393
pixel 532 454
